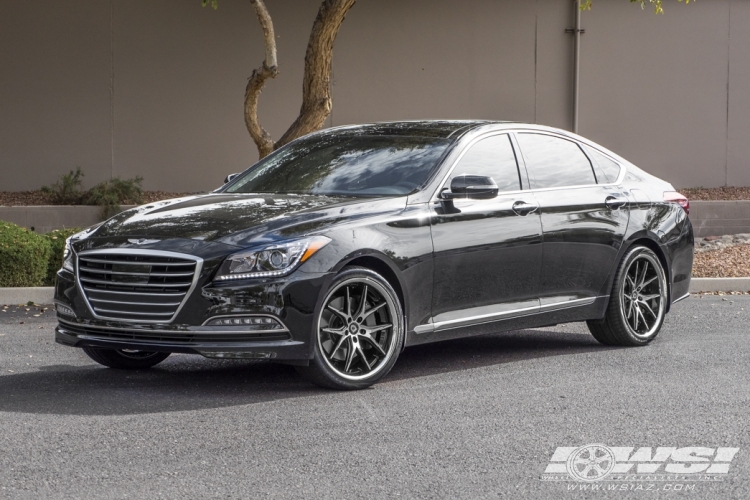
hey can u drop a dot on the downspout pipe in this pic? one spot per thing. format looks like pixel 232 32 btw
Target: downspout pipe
pixel 577 66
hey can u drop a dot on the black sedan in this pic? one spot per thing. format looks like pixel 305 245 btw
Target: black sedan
pixel 339 250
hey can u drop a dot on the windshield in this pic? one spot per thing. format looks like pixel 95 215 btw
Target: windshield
pixel 335 165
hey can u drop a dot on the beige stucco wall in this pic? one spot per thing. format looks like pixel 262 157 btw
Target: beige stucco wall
pixel 155 87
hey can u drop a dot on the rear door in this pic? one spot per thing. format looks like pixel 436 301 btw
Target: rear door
pixel 584 218
pixel 487 252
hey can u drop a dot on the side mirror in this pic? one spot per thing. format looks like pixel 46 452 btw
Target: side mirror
pixel 230 178
pixel 473 187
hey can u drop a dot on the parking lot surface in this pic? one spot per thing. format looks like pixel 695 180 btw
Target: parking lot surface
pixel 471 418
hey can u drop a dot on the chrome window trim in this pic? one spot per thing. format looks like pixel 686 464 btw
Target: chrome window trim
pixel 145 252
pixel 623 168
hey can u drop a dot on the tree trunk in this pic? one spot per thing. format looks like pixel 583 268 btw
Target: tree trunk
pixel 316 86
pixel 255 84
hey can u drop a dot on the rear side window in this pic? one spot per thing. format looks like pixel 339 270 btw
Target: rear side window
pixel 607 170
pixel 492 157
pixel 555 162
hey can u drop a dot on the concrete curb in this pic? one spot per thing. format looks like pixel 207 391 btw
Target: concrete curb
pixel 44 294
pixel 21 295
pixel 719 285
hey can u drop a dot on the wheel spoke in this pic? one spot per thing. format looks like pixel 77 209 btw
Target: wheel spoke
pixel 334 331
pixel 635 318
pixel 335 311
pixel 648 282
pixel 338 346
pixel 372 310
pixel 648 308
pixel 350 354
pixel 630 280
pixel 651 297
pixel 348 303
pixel 643 274
pixel 362 303
pixel 369 330
pixel 640 313
pixel 373 343
pixel 363 357
pixel 630 308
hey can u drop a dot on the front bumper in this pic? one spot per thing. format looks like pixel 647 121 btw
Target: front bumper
pixel 293 301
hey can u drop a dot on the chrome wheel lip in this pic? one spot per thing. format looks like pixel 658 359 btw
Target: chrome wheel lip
pixel 622 296
pixel 395 321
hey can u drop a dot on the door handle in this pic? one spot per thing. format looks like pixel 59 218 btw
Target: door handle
pixel 524 208
pixel 615 202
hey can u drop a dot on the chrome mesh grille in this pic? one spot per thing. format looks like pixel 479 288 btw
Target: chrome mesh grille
pixel 137 285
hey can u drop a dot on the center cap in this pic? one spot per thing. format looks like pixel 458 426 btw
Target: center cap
pixel 353 328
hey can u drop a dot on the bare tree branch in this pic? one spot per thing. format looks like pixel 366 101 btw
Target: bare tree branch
pixel 257 80
pixel 316 86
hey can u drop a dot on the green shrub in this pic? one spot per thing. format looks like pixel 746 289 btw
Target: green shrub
pixel 67 190
pixel 56 240
pixel 110 194
pixel 24 256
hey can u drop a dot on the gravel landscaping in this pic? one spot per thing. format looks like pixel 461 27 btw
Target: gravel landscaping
pixel 717 194
pixel 730 262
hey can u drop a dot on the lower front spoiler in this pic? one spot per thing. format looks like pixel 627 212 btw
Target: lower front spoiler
pixel 281 350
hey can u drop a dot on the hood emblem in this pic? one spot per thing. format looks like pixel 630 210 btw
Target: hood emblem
pixel 142 241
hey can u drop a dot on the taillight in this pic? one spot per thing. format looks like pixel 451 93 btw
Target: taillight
pixel 680 199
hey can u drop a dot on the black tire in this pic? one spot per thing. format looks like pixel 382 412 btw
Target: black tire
pixel 354 347
pixel 125 360
pixel 636 311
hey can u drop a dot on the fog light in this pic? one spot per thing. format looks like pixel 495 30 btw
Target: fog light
pixel 251 322
pixel 65 310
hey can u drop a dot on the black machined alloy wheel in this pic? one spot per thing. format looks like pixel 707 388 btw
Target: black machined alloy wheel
pixel 359 332
pixel 642 297
pixel 125 359
pixel 637 304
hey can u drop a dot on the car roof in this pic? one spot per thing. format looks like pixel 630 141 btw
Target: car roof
pixel 418 128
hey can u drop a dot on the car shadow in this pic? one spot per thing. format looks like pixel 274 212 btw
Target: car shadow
pixel 192 383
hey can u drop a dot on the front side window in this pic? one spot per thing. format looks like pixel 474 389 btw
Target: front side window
pixel 352 165
pixel 491 157
pixel 555 162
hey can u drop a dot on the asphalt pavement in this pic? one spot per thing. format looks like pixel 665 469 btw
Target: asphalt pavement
pixel 471 418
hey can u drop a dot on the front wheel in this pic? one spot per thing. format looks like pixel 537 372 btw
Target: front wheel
pixel 358 334
pixel 638 302
pixel 125 359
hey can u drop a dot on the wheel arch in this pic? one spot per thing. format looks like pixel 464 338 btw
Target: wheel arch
pixel 650 241
pixel 382 265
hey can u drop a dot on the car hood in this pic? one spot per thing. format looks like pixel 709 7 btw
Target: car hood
pixel 236 219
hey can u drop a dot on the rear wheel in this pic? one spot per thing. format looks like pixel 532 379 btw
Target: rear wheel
pixel 358 334
pixel 125 359
pixel 638 302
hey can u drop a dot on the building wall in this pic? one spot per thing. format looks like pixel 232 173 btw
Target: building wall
pixel 155 88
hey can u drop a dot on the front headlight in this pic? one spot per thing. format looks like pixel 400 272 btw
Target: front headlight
pixel 273 260
pixel 68 251
pixel 68 256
